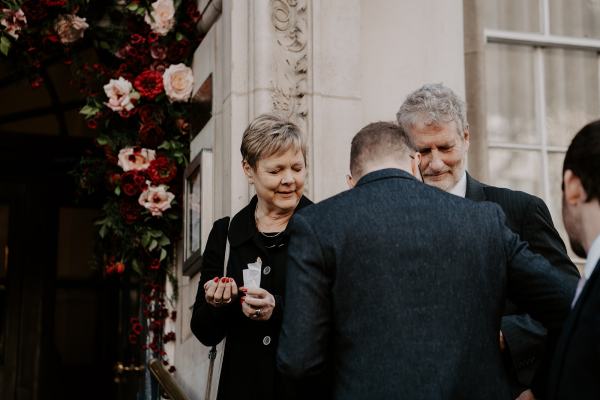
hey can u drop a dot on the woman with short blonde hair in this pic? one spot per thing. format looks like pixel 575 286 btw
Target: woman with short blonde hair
pixel 249 314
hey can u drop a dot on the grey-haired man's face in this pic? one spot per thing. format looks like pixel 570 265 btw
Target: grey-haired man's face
pixel 443 151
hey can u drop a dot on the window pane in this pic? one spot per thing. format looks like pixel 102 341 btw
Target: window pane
pixel 510 94
pixel 517 170
pixel 512 15
pixel 579 18
pixel 572 97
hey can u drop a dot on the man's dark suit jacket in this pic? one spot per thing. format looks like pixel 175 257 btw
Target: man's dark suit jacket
pixel 398 288
pixel 575 372
pixel 527 216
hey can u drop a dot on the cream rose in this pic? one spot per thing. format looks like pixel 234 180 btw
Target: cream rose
pixel 135 158
pixel 162 17
pixel 178 81
pixel 13 21
pixel 120 94
pixel 70 28
pixel 156 199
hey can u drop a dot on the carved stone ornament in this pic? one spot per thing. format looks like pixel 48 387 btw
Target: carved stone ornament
pixel 290 20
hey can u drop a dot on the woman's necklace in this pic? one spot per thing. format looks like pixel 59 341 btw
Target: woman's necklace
pixel 267 235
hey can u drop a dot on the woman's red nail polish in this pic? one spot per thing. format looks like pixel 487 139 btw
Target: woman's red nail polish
pixel 223 279
pixel 216 279
pixel 244 290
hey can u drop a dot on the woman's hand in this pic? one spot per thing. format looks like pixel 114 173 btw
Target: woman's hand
pixel 220 291
pixel 257 304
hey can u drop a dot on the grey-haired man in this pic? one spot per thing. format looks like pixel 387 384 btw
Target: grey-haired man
pixel 435 119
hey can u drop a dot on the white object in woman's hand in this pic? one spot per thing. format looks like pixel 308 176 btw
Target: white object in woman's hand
pixel 220 291
pixel 257 304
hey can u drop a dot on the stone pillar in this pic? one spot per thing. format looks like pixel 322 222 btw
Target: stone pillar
pixel 475 87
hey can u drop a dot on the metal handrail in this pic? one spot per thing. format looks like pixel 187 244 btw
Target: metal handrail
pixel 166 381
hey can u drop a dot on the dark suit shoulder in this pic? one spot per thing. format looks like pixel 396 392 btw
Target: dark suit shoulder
pixel 510 199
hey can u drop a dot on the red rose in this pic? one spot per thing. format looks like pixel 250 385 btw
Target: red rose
pixel 151 113
pixel 37 82
pixel 159 66
pixel 54 3
pixel 129 189
pixel 152 37
pixel 137 39
pixel 137 328
pixel 161 170
pixel 158 52
pixel 149 83
pixel 179 51
pixel 172 369
pixel 92 123
pixel 120 267
pixel 151 135
pixel 33 11
pixel 128 184
pixel 130 211
pixel 192 11
pixel 140 181
pixel 155 264
pixel 109 268
pixel 127 113
pixel 51 38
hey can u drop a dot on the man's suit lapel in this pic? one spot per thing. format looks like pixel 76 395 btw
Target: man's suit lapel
pixel 570 324
pixel 474 189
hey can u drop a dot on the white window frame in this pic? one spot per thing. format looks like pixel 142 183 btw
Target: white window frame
pixel 539 42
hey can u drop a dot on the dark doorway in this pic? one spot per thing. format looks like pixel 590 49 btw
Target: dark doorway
pixel 58 325
pixel 59 319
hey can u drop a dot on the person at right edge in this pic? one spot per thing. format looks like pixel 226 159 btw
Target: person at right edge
pixel 575 371
pixel 434 118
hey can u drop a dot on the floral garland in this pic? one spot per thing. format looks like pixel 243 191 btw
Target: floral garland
pixel 137 98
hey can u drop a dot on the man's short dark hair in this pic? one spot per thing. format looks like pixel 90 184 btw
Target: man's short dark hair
pixel 375 141
pixel 583 158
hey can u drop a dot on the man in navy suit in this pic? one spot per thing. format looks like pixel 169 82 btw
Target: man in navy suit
pixel 435 119
pixel 396 289
pixel 575 372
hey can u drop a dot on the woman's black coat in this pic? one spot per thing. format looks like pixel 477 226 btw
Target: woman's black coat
pixel 248 370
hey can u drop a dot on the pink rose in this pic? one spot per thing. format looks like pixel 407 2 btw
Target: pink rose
pixel 135 158
pixel 70 28
pixel 13 21
pixel 156 199
pixel 178 81
pixel 120 94
pixel 162 17
pixel 158 52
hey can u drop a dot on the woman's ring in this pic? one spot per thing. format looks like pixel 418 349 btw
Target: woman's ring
pixel 257 312
pixel 217 302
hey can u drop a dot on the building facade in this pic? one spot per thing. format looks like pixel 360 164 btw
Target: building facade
pixel 527 68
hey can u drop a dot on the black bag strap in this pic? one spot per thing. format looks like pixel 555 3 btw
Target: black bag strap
pixel 212 354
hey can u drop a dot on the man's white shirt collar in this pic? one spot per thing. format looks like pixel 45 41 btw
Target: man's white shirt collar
pixel 592 258
pixel 460 189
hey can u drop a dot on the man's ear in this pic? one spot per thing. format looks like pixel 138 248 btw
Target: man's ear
pixel 415 162
pixel 574 191
pixel 467 137
pixel 248 171
pixel 350 181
